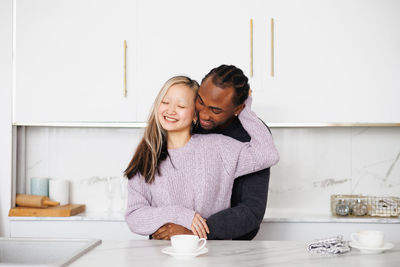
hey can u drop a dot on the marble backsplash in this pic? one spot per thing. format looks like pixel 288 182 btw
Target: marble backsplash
pixel 315 163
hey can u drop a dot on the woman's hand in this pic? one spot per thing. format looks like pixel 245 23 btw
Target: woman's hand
pixel 199 226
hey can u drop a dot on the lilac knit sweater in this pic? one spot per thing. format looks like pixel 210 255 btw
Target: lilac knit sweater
pixel 198 177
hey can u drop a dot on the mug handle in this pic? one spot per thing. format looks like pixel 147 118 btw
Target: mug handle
pixel 202 245
pixel 354 237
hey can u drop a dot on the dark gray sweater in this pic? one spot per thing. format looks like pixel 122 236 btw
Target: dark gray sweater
pixel 249 197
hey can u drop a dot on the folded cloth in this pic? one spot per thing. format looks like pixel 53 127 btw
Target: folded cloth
pixel 332 245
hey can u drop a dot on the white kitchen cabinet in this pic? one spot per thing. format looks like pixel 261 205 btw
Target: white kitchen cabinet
pixel 178 37
pixel 70 60
pixel 69 54
pixel 335 61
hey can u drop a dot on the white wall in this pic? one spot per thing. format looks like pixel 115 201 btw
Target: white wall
pixel 92 159
pixel 318 162
pixel 5 112
pixel 315 163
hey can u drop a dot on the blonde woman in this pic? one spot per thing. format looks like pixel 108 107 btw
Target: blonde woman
pixel 177 177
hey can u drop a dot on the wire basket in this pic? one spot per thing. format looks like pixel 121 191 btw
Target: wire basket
pixel 365 206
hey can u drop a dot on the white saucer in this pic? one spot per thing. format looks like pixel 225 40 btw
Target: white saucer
pixel 367 250
pixel 170 251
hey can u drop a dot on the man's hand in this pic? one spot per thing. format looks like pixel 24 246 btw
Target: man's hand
pixel 167 230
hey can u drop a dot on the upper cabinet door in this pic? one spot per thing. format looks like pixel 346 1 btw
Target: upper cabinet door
pixel 334 61
pixel 180 37
pixel 70 60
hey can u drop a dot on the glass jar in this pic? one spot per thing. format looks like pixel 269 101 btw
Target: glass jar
pixel 359 208
pixel 342 208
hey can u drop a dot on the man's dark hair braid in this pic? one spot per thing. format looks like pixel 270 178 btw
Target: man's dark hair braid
pixel 230 76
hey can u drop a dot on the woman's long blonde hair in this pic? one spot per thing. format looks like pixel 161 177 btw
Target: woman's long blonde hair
pixel 152 149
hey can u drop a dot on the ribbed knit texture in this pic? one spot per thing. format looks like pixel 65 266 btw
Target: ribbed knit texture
pixel 198 177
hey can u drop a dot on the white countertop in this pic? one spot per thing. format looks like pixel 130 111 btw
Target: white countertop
pixel 230 253
pixel 324 218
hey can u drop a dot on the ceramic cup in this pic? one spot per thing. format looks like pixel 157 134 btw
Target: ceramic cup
pixel 59 191
pixel 368 238
pixel 187 243
pixel 40 186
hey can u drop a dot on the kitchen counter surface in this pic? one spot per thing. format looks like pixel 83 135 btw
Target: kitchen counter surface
pixel 230 253
pixel 269 217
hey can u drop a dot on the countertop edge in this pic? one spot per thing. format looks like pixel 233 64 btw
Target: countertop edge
pixel 315 218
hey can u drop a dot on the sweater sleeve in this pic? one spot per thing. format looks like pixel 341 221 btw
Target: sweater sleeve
pixel 243 219
pixel 244 158
pixel 144 219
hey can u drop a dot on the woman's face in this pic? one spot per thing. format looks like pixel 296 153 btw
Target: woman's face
pixel 176 110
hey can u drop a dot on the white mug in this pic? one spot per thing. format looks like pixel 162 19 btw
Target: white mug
pixel 368 238
pixel 187 243
pixel 59 191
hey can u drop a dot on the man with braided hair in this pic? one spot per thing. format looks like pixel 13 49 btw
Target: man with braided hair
pixel 220 99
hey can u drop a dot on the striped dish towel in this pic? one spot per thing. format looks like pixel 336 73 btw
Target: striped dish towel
pixel 332 245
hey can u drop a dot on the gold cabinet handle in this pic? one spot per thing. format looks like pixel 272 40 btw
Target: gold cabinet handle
pixel 272 49
pixel 125 90
pixel 251 47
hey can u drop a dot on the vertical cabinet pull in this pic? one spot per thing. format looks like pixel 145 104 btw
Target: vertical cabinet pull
pixel 272 49
pixel 125 90
pixel 251 47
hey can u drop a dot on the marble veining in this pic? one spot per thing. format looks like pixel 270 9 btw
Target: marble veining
pixel 33 165
pixel 330 182
pixel 391 167
pixel 230 253
pixel 360 132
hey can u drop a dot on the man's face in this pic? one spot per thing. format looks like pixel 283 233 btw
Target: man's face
pixel 214 105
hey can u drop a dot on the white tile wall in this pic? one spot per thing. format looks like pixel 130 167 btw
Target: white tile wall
pixel 376 161
pixel 318 162
pixel 315 163
pixel 92 159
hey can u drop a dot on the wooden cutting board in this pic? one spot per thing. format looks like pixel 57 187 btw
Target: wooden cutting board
pixel 58 211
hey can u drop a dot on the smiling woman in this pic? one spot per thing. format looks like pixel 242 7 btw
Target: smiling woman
pixel 152 150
